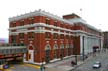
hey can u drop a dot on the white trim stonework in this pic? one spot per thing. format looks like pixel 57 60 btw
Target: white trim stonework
pixel 31 52
pixel 90 39
pixel 38 13
pixel 43 13
pixel 42 30
pixel 77 20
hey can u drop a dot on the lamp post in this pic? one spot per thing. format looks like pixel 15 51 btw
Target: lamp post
pixel 83 50
pixel 42 66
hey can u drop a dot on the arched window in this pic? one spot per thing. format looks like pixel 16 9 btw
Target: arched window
pixel 47 53
pixel 55 49
pixel 67 47
pixel 47 47
pixel 62 50
pixel 70 49
pixel 62 46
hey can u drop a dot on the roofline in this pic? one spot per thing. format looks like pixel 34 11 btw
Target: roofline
pixel 80 20
pixel 38 13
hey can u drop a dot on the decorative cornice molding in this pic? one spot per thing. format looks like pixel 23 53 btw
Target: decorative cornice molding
pixel 39 25
pixel 38 13
pixel 43 13
pixel 49 26
pixel 77 20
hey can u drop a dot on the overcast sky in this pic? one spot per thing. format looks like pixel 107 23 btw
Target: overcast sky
pixel 95 12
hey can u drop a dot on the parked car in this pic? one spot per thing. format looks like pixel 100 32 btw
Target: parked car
pixel 97 64
pixel 6 66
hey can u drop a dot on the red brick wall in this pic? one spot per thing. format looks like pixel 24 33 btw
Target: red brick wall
pixel 39 42
pixel 76 42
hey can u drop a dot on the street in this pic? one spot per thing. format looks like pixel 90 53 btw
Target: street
pixel 65 65
pixel 87 66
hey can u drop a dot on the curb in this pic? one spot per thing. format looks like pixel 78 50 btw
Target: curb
pixel 82 63
pixel 76 66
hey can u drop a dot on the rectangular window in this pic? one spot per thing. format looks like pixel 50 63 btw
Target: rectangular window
pixel 31 35
pixel 13 24
pixel 61 36
pixel 24 50
pixel 12 51
pixel 47 35
pixel 16 50
pixel 22 23
pixel 71 37
pixel 31 20
pixel 21 35
pixel 7 51
pixel 47 21
pixel 13 39
pixel 67 36
pixel 55 36
pixel 55 23
pixel 4 51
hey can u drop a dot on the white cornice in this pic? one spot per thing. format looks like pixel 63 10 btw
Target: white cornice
pixel 83 32
pixel 79 32
pixel 43 13
pixel 49 26
pixel 38 13
pixel 77 20
pixel 39 24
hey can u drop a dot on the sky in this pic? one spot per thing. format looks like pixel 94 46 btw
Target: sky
pixel 95 12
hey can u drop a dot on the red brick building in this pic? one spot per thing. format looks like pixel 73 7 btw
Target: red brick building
pixel 49 37
pixel 105 39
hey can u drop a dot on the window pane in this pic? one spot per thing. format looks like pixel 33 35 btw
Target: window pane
pixel 47 21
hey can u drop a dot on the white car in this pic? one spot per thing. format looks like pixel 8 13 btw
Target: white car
pixel 97 64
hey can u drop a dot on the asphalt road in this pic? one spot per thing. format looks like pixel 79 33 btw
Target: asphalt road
pixel 87 66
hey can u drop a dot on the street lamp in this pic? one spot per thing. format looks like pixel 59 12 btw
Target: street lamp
pixel 83 50
pixel 42 66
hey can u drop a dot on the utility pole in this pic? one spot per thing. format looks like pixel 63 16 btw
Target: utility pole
pixel 83 50
pixel 42 65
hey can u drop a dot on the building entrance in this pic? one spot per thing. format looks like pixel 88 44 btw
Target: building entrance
pixel 47 58
pixel 31 54
pixel 47 53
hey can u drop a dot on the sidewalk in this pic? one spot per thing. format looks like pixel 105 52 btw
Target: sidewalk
pixel 63 65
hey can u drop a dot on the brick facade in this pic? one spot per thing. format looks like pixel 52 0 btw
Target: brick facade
pixel 49 36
